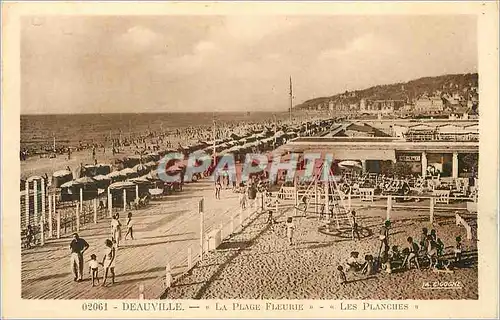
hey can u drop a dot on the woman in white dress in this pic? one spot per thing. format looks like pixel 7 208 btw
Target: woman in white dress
pixel 116 229
pixel 108 262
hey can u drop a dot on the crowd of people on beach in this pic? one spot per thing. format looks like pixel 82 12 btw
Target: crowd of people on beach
pixel 153 140
pixel 426 250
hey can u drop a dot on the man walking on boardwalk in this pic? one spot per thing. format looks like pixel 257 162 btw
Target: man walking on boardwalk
pixel 77 246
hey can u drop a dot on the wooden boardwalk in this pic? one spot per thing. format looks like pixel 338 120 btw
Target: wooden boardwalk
pixel 164 231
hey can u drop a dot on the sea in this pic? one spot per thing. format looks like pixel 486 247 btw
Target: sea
pixel 71 129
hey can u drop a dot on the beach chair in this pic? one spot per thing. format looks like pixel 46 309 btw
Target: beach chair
pixel 441 196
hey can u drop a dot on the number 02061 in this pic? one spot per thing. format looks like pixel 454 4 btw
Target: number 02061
pixel 95 306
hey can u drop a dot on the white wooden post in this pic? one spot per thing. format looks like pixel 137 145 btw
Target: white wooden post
pixel 110 203
pixel 200 210
pixel 35 202
pixel 431 216
pixel 141 291
pixel 27 203
pixel 43 199
pixel 58 224
pixel 81 199
pixel 316 196
pixel 42 233
pixel 137 192
pixel 190 259
pixel 50 217
pixel 327 199
pixel 221 228
pixel 124 200
pixel 389 208
pixel 296 197
pixel 95 210
pixel 77 218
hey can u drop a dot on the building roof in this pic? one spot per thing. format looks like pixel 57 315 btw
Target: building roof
pixel 366 128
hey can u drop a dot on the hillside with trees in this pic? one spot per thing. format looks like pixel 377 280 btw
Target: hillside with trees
pixel 463 84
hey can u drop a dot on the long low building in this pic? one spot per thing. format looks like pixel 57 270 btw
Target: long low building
pixel 447 157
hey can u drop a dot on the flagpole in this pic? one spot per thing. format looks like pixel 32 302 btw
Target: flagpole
pixel 291 98
pixel 214 134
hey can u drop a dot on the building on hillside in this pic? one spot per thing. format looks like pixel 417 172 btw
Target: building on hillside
pixel 429 105
pixel 380 107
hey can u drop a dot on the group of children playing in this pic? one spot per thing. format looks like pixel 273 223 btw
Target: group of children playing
pixel 430 248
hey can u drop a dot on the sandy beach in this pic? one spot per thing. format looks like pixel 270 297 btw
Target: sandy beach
pixel 258 263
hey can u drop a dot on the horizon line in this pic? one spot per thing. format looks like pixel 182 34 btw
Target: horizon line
pixel 147 112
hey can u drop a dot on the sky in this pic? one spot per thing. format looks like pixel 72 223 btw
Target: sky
pixel 101 64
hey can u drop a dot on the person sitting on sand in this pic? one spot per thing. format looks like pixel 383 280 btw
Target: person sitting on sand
pixel 434 235
pixel 342 279
pixel 386 263
pixel 270 219
pixel 396 254
pixel 369 267
pixel 412 256
pixel 432 252
pixel 352 262
pixel 423 238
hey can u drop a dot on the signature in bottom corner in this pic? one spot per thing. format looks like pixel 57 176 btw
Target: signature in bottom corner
pixel 442 285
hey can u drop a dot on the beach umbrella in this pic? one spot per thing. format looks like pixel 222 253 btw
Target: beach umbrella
pixel 90 170
pixel 102 181
pixel 61 173
pixel 150 164
pixel 115 174
pixel 102 178
pixel 60 177
pixel 33 178
pixel 279 134
pixel 103 169
pixel 122 185
pixel 234 149
pixel 84 181
pixel 68 184
pixel 128 172
pixel 349 164
pixel 140 181
pixel 154 156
